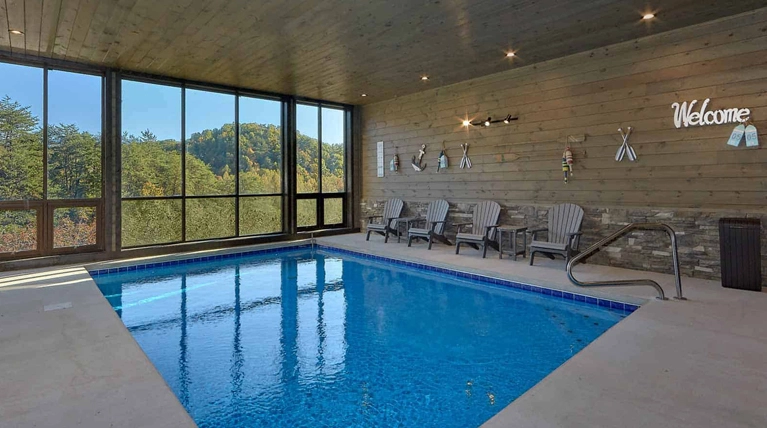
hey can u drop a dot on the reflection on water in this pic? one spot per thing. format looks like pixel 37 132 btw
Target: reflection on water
pixel 312 340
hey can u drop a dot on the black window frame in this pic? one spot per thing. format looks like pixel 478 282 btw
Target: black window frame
pixel 46 206
pixel 109 205
pixel 236 195
pixel 319 196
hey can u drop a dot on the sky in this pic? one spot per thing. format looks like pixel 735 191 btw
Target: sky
pixel 76 98
pixel 72 97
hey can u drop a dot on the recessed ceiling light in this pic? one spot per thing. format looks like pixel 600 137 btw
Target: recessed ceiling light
pixel 648 16
pixel 424 78
pixel 364 95
pixel 17 32
pixel 510 54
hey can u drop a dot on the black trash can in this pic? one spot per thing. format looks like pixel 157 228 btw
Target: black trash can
pixel 740 253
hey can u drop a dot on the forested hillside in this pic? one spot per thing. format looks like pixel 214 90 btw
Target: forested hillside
pixel 152 168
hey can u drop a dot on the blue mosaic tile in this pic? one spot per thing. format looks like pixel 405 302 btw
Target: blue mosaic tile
pixel 579 297
pixel 616 305
pixel 567 296
pixel 592 300
pixel 604 303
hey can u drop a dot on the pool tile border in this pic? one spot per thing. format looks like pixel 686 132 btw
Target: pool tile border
pixel 550 292
pixel 202 259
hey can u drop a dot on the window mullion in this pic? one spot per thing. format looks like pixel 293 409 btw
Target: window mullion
pixel 183 163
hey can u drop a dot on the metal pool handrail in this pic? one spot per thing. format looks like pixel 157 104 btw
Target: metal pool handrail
pixel 623 282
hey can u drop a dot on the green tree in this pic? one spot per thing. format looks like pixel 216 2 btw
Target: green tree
pixel 152 168
pixel 74 163
pixel 21 152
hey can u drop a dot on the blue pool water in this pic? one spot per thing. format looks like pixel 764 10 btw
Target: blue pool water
pixel 314 339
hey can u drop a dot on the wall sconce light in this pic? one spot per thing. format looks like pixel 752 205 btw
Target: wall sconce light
pixel 487 122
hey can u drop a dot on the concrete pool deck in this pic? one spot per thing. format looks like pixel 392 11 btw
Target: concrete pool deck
pixel 67 359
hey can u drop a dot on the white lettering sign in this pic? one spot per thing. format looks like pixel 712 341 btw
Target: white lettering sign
pixel 684 114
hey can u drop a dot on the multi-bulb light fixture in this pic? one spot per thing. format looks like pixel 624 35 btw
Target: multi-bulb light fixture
pixel 489 121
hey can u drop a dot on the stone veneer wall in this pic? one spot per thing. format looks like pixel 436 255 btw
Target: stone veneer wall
pixel 697 234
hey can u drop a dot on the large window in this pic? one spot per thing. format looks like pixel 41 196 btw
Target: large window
pixel 260 163
pixel 320 166
pixel 196 162
pixel 50 161
pixel 151 164
pixel 223 179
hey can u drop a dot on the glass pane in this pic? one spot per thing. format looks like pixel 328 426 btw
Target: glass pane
pixel 307 150
pixel 306 212
pixel 334 211
pixel 260 146
pixel 21 119
pixel 74 135
pixel 18 231
pixel 260 215
pixel 209 218
pixel 332 150
pixel 210 145
pixel 151 140
pixel 74 227
pixel 149 222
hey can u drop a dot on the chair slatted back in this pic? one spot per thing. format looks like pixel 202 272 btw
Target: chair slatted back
pixel 437 211
pixel 485 214
pixel 564 219
pixel 392 209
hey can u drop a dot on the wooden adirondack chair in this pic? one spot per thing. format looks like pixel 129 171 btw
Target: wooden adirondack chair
pixel 564 233
pixel 483 228
pixel 391 212
pixel 436 216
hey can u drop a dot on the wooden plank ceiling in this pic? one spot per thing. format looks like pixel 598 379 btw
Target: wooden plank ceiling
pixel 335 49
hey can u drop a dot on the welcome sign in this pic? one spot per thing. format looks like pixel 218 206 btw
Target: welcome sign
pixel 686 115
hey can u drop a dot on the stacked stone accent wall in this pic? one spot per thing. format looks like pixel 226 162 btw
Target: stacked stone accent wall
pixel 697 234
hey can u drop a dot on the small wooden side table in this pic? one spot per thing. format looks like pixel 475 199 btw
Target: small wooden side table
pixel 513 231
pixel 406 221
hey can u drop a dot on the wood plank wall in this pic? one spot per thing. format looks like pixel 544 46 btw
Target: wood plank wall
pixel 591 93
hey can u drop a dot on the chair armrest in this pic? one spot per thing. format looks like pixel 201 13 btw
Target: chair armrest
pixel 489 228
pixel 460 225
pixel 391 222
pixel 573 239
pixel 435 223
pixel 537 231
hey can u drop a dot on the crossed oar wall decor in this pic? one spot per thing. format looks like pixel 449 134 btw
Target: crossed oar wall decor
pixel 625 148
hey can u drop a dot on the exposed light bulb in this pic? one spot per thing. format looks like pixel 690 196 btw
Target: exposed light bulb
pixel 17 32
pixel 510 54
pixel 648 16
pixel 466 123
pixel 364 95
pixel 424 78
pixel 487 122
